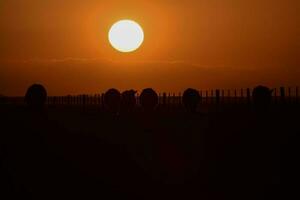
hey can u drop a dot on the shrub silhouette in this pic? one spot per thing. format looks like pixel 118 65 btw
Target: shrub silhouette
pixel 191 99
pixel 148 99
pixel 128 101
pixel 112 99
pixel 36 96
pixel 262 96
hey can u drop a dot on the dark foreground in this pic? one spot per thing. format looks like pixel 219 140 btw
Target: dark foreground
pixel 71 152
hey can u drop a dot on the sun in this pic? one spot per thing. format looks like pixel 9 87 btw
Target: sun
pixel 126 36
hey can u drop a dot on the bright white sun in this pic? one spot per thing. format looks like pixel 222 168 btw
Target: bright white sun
pixel 126 36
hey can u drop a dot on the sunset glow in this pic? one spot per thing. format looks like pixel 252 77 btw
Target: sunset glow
pixel 75 47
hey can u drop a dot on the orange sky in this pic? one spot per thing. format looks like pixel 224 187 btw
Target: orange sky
pixel 191 43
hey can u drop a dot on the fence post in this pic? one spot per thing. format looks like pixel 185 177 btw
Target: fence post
pixel 282 94
pixel 174 99
pixel 48 100
pixel 242 96
pixel 69 100
pixel 164 99
pixel 102 100
pixel 275 95
pixel 159 98
pixel 98 100
pixel 223 94
pixel 217 96
pixel 248 96
pixel 84 99
pixel 206 96
pixel 297 94
pixel 290 94
pixel 235 96
pixel 180 98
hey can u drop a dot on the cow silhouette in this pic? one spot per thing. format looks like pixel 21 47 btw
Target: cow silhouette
pixel 112 100
pixel 148 99
pixel 191 98
pixel 36 97
pixel 128 100
pixel 262 97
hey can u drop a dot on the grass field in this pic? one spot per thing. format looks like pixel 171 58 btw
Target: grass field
pixel 221 152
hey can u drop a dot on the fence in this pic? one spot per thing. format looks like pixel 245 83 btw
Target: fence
pixel 217 96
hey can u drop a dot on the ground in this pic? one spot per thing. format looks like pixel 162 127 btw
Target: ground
pixel 220 152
